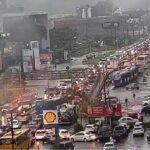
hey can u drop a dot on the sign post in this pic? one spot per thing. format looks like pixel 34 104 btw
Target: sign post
pixel 50 117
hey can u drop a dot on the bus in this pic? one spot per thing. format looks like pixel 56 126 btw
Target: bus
pixel 142 61
pixel 124 76
pixel 21 140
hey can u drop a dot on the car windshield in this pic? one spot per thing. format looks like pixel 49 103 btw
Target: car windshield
pixel 88 133
pixel 119 128
pixel 64 132
pixel 15 121
pixel 138 123
pixel 63 84
pixel 40 132
pixel 137 128
pixel 109 145
pixel 89 126
pixel 32 123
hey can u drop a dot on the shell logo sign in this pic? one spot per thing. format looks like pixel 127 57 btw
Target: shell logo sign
pixel 50 117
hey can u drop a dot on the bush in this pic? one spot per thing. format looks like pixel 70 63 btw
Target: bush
pixel 78 127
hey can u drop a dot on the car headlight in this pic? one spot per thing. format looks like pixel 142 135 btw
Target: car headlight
pixel 93 137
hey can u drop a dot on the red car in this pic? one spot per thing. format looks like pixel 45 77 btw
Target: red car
pixel 133 115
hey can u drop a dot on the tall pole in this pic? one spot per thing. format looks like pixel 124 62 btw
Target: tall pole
pixel 21 65
pixel 12 132
pixel 104 83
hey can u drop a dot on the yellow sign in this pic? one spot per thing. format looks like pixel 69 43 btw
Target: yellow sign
pixel 50 117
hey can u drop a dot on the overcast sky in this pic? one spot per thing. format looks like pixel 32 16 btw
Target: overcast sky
pixel 68 6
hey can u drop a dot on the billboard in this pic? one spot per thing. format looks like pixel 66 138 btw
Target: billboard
pixel 110 25
pixel 104 110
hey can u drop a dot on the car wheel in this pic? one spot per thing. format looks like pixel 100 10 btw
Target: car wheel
pixel 85 140
pixel 126 88
pixel 134 135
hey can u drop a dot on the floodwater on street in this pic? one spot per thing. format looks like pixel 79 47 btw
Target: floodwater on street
pixel 138 143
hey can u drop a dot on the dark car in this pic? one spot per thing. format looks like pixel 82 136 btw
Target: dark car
pixel 47 139
pixel 119 133
pixel 121 130
pixel 4 129
pixel 104 134
pixel 31 124
pixel 148 136
pixel 66 145
pixel 133 115
pixel 132 86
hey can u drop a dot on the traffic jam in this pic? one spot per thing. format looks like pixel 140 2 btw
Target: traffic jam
pixel 106 120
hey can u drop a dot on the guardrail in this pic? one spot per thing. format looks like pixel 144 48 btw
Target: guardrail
pixel 52 75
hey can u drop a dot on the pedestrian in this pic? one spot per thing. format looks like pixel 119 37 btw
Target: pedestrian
pixel 134 96
pixel 126 101
pixel 111 139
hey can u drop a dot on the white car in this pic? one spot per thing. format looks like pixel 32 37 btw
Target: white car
pixel 138 124
pixel 83 136
pixel 145 103
pixel 127 120
pixel 16 124
pixel 64 134
pixel 40 134
pixel 109 146
pixel 90 128
pixel 64 86
pixel 138 131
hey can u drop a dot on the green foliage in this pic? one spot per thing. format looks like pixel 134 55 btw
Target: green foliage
pixel 83 107
pixel 78 127
pixel 62 37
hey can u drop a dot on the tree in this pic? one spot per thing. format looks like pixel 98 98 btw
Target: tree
pixel 103 8
pixel 62 38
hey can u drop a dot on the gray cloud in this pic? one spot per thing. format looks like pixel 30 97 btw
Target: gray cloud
pixel 68 6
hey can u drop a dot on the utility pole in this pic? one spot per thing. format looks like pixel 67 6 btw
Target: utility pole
pixel 20 49
pixel 12 132
pixel 104 89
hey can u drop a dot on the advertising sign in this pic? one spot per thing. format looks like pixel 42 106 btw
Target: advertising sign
pixel 104 111
pixel 50 117
pixel 95 111
pixel 110 25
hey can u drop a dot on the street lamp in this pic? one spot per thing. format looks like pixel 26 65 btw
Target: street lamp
pixel 3 36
